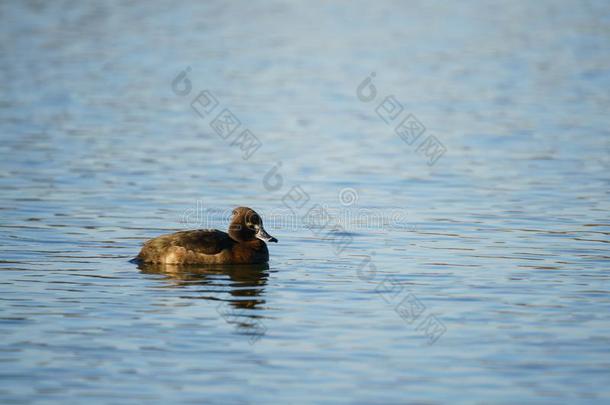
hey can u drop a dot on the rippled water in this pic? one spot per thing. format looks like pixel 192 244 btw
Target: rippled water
pixel 480 278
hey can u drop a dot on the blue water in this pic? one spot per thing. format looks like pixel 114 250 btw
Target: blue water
pixel 467 263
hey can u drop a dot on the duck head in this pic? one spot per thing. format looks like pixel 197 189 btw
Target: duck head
pixel 247 225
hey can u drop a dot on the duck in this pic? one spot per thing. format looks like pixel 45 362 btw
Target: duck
pixel 244 243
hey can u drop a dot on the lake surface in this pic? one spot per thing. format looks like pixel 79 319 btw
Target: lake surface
pixel 467 263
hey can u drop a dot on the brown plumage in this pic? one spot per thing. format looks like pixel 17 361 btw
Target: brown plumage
pixel 244 244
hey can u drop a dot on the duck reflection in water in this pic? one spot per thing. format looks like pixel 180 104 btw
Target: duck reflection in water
pixel 244 283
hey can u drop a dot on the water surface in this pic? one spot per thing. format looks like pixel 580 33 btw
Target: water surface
pixel 502 242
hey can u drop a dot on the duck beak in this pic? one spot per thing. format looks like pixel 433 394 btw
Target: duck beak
pixel 264 236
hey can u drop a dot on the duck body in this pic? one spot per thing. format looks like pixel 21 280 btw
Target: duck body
pixel 243 244
pixel 203 246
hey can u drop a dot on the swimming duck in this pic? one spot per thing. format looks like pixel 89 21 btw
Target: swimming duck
pixel 243 244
